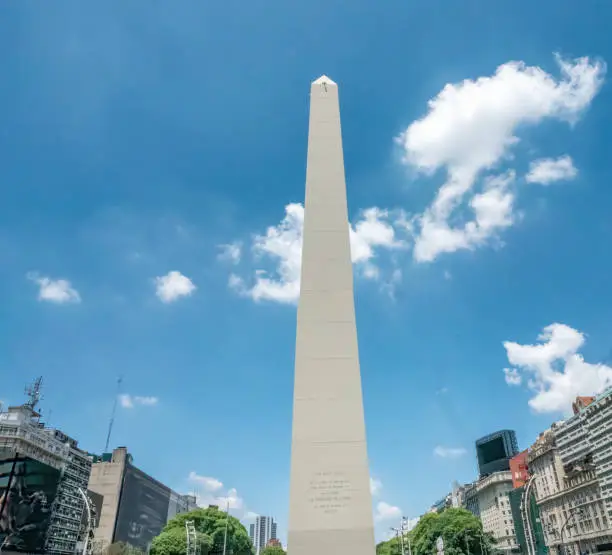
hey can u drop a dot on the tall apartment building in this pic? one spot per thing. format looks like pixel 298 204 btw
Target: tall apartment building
pixel 494 452
pixel 135 506
pixel 567 490
pixel 598 418
pixel 43 467
pixel 262 531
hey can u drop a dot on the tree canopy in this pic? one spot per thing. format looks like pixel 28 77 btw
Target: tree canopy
pixel 461 531
pixel 210 530
pixel 272 550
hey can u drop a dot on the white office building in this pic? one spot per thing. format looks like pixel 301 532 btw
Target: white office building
pixel 494 508
pixel 262 531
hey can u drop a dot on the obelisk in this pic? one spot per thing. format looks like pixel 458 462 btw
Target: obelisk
pixel 330 505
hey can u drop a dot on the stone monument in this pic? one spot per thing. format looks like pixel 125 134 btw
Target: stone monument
pixel 330 506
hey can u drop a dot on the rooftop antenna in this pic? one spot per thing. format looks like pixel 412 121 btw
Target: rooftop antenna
pixel 33 393
pixel 112 418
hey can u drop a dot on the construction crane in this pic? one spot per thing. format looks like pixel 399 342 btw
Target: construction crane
pixel 112 418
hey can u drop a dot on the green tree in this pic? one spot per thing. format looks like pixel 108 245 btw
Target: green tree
pixel 174 541
pixel 211 524
pixel 461 531
pixel 272 550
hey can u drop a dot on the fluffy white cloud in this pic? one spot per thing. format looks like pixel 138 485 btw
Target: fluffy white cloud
pixel 231 252
pixel 470 127
pixel 449 452
pixel 57 291
pixel 208 483
pixel 549 170
pixel 130 401
pixel 556 372
pixel 512 376
pixel 385 511
pixel 492 211
pixel 375 486
pixel 172 286
pixel 282 244
pixel 210 491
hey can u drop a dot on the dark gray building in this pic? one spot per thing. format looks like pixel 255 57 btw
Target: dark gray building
pixel 495 451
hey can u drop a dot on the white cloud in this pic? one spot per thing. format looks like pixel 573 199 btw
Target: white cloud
pixel 130 401
pixel 208 483
pixel 449 452
pixel 512 376
pixel 57 291
pixel 250 515
pixel 172 286
pixel 470 127
pixel 385 511
pixel 375 486
pixel 282 244
pixel 231 252
pixel 212 493
pixel 549 170
pixel 557 372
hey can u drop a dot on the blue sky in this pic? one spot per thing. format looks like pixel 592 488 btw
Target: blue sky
pixel 152 164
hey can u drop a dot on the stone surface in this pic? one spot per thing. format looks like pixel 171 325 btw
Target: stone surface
pixel 330 507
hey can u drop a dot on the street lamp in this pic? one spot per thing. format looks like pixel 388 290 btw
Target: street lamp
pixel 226 523
pixel 573 512
pixel 88 509
pixel 400 536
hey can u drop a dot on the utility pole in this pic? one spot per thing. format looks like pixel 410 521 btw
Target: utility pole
pixel 400 539
pixel 407 532
pixel 226 523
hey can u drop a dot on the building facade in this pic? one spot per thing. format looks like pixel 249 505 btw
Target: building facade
pixel 494 452
pixel 23 434
pixel 135 506
pixel 262 532
pixel 519 469
pixel 597 415
pixel 495 511
pixel 567 490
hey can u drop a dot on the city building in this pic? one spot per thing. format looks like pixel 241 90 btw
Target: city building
pixel 494 452
pixel 262 532
pixel 518 467
pixel 46 469
pixel 525 510
pixel 490 496
pixel 470 499
pixel 566 489
pixel 135 506
pixel 598 417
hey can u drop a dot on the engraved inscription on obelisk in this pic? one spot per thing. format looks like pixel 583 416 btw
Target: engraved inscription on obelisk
pixel 330 506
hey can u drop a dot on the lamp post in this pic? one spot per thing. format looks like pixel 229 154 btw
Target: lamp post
pixel 225 534
pixel 88 509
pixel 573 513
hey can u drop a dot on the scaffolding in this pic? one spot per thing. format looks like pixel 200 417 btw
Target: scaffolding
pixel 192 539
